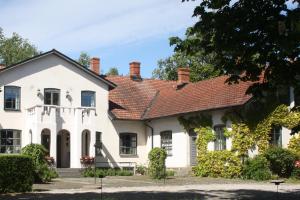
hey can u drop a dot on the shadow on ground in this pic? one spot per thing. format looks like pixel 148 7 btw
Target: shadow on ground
pixel 186 195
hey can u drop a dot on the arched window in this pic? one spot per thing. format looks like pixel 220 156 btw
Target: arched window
pixel 220 142
pixel 86 140
pixel 166 141
pixel 128 143
pixel 45 139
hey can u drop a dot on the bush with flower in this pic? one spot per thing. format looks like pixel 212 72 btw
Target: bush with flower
pixel 87 161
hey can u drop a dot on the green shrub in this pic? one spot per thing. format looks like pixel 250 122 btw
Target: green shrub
pixel 296 173
pixel 102 172
pixel 42 171
pixel 257 168
pixel 218 164
pixel 16 174
pixel 170 173
pixel 140 169
pixel 281 161
pixel 157 157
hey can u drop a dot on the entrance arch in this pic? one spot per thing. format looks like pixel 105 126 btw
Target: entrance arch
pixel 86 141
pixel 63 149
pixel 46 139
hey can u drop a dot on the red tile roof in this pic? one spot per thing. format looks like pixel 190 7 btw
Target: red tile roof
pixel 148 98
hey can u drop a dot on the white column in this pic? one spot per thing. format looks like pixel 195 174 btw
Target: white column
pixel 53 143
pixel 75 140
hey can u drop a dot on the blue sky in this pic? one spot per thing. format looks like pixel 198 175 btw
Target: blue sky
pixel 117 31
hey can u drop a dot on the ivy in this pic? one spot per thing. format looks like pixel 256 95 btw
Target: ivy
pixel 294 144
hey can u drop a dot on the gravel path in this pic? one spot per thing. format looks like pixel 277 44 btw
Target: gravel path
pixel 145 189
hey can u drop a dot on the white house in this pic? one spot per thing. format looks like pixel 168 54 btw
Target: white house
pixel 52 100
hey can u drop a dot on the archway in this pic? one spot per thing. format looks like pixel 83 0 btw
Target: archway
pixel 85 144
pixel 45 139
pixel 63 149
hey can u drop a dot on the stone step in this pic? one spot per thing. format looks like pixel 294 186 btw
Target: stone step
pixel 69 172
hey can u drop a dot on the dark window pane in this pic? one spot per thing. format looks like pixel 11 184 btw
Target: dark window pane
pixel 166 141
pixel 128 143
pixel 10 141
pixel 220 142
pixel 12 98
pixel 55 99
pixel 87 99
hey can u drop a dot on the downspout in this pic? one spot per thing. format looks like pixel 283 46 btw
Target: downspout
pixel 152 134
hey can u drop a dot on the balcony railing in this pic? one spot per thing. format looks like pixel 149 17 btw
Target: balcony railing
pixel 61 114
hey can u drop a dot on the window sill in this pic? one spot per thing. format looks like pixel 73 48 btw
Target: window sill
pixel 129 155
pixel 11 110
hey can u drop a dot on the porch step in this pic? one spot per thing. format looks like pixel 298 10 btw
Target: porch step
pixel 69 172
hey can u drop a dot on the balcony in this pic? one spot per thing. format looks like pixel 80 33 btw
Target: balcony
pixel 66 117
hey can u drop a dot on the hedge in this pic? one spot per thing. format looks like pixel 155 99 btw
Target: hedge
pixel 16 174
pixel 157 168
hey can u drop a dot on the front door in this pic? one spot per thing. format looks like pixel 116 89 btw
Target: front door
pixel 63 149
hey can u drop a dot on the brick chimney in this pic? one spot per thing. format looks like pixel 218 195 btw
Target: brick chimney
pixel 95 65
pixel 135 70
pixel 183 75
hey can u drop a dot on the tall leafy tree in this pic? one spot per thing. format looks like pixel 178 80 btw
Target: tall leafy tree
pixel 112 71
pixel 84 59
pixel 249 38
pixel 15 49
pixel 201 67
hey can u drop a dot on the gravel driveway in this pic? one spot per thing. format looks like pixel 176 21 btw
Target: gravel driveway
pixel 137 188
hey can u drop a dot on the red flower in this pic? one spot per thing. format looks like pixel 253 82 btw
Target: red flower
pixel 297 164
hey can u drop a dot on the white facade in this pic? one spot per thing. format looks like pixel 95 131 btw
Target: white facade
pixel 66 122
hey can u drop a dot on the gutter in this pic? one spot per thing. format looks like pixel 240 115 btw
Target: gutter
pixel 152 134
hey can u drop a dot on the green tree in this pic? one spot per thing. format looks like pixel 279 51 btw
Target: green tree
pixel 15 49
pixel 112 71
pixel 201 67
pixel 84 59
pixel 249 39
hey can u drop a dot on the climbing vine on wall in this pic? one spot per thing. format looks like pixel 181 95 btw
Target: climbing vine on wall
pixel 247 130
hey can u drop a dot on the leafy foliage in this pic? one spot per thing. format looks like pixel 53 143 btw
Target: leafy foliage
pixel 157 168
pixel 16 174
pixel 218 164
pixel 281 161
pixel 294 144
pixel 200 67
pixel 15 49
pixel 84 59
pixel 142 170
pixel 113 71
pixel 101 173
pixel 257 168
pixel 249 39
pixel 42 171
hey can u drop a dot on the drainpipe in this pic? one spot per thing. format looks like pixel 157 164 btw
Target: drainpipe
pixel 152 133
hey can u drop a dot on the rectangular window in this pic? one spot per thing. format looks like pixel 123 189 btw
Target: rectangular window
pixel 276 136
pixel 220 142
pixel 166 141
pixel 128 143
pixel 98 143
pixel 88 99
pixel 52 97
pixel 12 98
pixel 10 141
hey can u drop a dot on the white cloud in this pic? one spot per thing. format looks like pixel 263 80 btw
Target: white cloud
pixel 75 25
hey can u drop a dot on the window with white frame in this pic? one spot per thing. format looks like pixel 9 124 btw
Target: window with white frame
pixel 12 97
pixel 166 141
pixel 220 141
pixel 10 141
pixel 128 143
pixel 276 136
pixel 52 96
pixel 88 99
